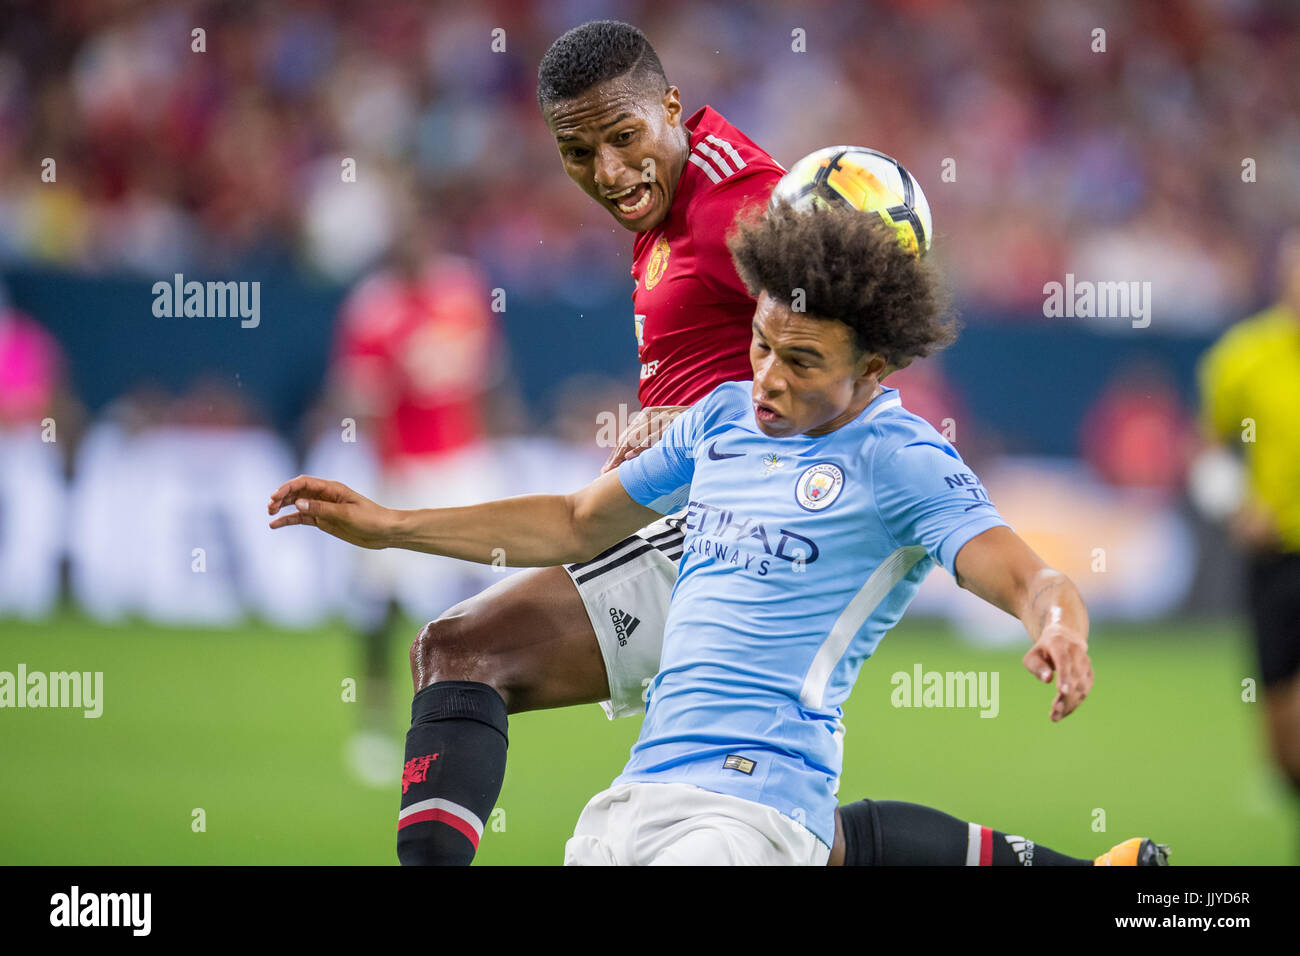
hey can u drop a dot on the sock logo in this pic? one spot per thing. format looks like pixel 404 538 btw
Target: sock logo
pixel 1024 849
pixel 624 625
pixel 416 770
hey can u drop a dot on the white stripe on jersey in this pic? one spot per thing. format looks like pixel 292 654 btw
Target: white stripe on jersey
pixel 863 604
pixel 714 164
pixel 704 165
pixel 728 148
pixel 714 155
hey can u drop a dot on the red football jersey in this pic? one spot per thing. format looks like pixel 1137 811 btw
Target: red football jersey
pixel 693 314
pixel 418 354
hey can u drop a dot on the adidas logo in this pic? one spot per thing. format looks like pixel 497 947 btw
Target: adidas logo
pixel 624 625
pixel 1024 849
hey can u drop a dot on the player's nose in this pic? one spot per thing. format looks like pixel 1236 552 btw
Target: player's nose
pixel 768 383
pixel 608 166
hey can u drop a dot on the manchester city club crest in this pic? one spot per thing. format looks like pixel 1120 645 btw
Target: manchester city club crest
pixel 819 486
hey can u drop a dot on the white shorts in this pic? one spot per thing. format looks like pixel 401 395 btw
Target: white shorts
pixel 625 590
pixel 676 824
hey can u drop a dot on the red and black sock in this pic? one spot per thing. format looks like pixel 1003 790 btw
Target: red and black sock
pixel 455 762
pixel 892 833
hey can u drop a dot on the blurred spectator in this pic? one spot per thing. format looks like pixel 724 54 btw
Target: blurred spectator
pixel 1114 165
pixel 1138 433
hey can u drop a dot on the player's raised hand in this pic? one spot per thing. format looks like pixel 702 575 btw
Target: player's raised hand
pixel 1057 650
pixel 334 508
pixel 646 427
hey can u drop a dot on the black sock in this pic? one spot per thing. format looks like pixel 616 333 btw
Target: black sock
pixel 455 762
pixel 892 833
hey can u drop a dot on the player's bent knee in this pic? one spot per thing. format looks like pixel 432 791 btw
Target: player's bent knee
pixel 452 648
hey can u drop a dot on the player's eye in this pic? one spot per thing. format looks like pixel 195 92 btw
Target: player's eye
pixel 575 153
pixel 625 136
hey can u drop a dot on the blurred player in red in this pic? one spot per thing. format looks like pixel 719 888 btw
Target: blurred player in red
pixel 592 632
pixel 418 351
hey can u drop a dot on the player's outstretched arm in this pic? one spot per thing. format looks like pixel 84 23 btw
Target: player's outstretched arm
pixel 999 567
pixel 527 531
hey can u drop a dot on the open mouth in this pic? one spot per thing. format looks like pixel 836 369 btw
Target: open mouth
pixel 633 201
pixel 765 413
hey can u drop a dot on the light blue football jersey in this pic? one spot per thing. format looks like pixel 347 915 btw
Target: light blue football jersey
pixel 800 554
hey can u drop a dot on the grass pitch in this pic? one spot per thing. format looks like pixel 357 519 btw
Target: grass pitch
pixel 249 726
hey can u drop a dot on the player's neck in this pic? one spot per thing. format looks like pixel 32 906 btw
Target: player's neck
pixel 856 408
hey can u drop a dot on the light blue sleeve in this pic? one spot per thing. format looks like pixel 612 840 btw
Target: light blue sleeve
pixel 660 477
pixel 928 496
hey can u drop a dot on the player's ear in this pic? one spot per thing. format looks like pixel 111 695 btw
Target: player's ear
pixel 672 103
pixel 873 365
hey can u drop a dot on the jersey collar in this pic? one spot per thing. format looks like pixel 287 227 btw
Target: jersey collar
pixel 888 398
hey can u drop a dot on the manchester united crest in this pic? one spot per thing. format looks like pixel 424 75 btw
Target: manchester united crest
pixel 658 264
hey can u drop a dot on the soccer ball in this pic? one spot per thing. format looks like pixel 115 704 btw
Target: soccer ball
pixel 864 179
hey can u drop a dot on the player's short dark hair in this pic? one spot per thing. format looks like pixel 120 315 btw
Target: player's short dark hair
pixel 851 267
pixel 594 53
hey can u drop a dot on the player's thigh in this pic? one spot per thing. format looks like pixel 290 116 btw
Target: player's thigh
pixel 528 636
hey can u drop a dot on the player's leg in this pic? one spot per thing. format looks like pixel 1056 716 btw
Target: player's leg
pixel 524 643
pixel 893 833
pixel 1282 710
pixel 372 749
pixel 1274 594
pixel 1282 717
pixel 543 638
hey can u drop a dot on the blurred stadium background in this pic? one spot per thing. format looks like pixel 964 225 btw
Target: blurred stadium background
pixel 135 542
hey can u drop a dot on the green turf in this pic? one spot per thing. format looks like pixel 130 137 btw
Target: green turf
pixel 249 725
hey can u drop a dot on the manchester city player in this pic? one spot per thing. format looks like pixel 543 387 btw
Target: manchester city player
pixel 815 506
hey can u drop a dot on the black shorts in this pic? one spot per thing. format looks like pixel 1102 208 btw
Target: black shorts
pixel 1274 588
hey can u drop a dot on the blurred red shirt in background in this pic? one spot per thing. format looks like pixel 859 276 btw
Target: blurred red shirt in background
pixel 416 352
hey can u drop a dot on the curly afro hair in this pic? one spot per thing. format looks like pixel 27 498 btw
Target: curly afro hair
pixel 593 53
pixel 850 267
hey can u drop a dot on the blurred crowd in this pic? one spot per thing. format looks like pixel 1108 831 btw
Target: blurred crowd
pixel 1122 164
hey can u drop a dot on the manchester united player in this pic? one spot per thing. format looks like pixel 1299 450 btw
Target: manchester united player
pixel 592 632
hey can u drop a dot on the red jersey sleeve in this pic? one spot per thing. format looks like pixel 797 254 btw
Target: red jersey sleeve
pixel 713 216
